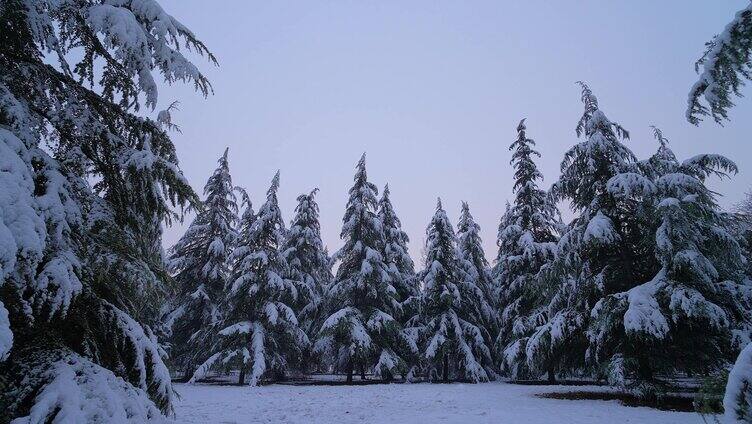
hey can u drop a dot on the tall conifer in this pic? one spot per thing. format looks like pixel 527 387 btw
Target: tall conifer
pixel 395 253
pixel 453 342
pixel 596 254
pixel 260 332
pixel 692 301
pixel 200 263
pixel 363 330
pixel 87 183
pixel 308 262
pixel 527 248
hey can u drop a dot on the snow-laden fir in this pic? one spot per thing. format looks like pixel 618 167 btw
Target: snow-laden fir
pixel 449 327
pixel 199 263
pixel 691 301
pixel 308 262
pixel 723 69
pixel 596 253
pixel 85 186
pixel 396 256
pixel 260 332
pixel 363 330
pixel 527 244
pixel 475 271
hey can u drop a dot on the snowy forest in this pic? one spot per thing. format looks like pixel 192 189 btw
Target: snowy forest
pixel 649 282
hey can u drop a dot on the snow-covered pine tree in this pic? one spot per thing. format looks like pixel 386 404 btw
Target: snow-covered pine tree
pixel 470 247
pixel 245 224
pixel 597 255
pixel 475 270
pixel 724 66
pixel 505 245
pixel 680 319
pixel 307 261
pixel 453 344
pixel 395 253
pixel 527 247
pixel 363 330
pixel 86 185
pixel 200 263
pixel 260 332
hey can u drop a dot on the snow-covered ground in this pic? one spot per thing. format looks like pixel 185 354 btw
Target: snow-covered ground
pixel 497 403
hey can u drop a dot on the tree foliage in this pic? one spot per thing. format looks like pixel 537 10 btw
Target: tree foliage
pixel 89 185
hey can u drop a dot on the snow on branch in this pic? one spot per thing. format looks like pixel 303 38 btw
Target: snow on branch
pixel 722 69
pixel 78 391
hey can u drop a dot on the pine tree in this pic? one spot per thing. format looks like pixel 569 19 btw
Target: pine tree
pixel 726 64
pixel 598 253
pixel 692 301
pixel 86 186
pixel 506 245
pixel 200 263
pixel 401 267
pixel 245 223
pixel 527 246
pixel 453 345
pixel 363 329
pixel 308 262
pixel 261 332
pixel 472 258
pixel 475 270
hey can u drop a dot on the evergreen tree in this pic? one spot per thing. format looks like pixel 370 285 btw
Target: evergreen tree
pixel 261 331
pixel 505 245
pixel 363 329
pixel 527 246
pixel 401 267
pixel 200 263
pixel 472 258
pixel 454 343
pixel 597 255
pixel 475 270
pixel 680 319
pixel 245 224
pixel 86 186
pixel 723 69
pixel 308 262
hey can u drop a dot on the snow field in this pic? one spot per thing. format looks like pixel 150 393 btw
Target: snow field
pixel 496 403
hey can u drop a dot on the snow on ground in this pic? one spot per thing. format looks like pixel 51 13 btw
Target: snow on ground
pixel 496 403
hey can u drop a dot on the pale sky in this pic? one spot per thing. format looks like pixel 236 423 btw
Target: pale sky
pixel 433 92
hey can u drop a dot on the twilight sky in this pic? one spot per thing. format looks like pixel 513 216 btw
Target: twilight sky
pixel 433 91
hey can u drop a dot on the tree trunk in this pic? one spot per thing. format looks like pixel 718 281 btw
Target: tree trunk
pixel 387 376
pixel 350 371
pixel 188 373
pixel 644 371
pixel 241 376
pixel 362 372
pixel 551 375
pixel 446 368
